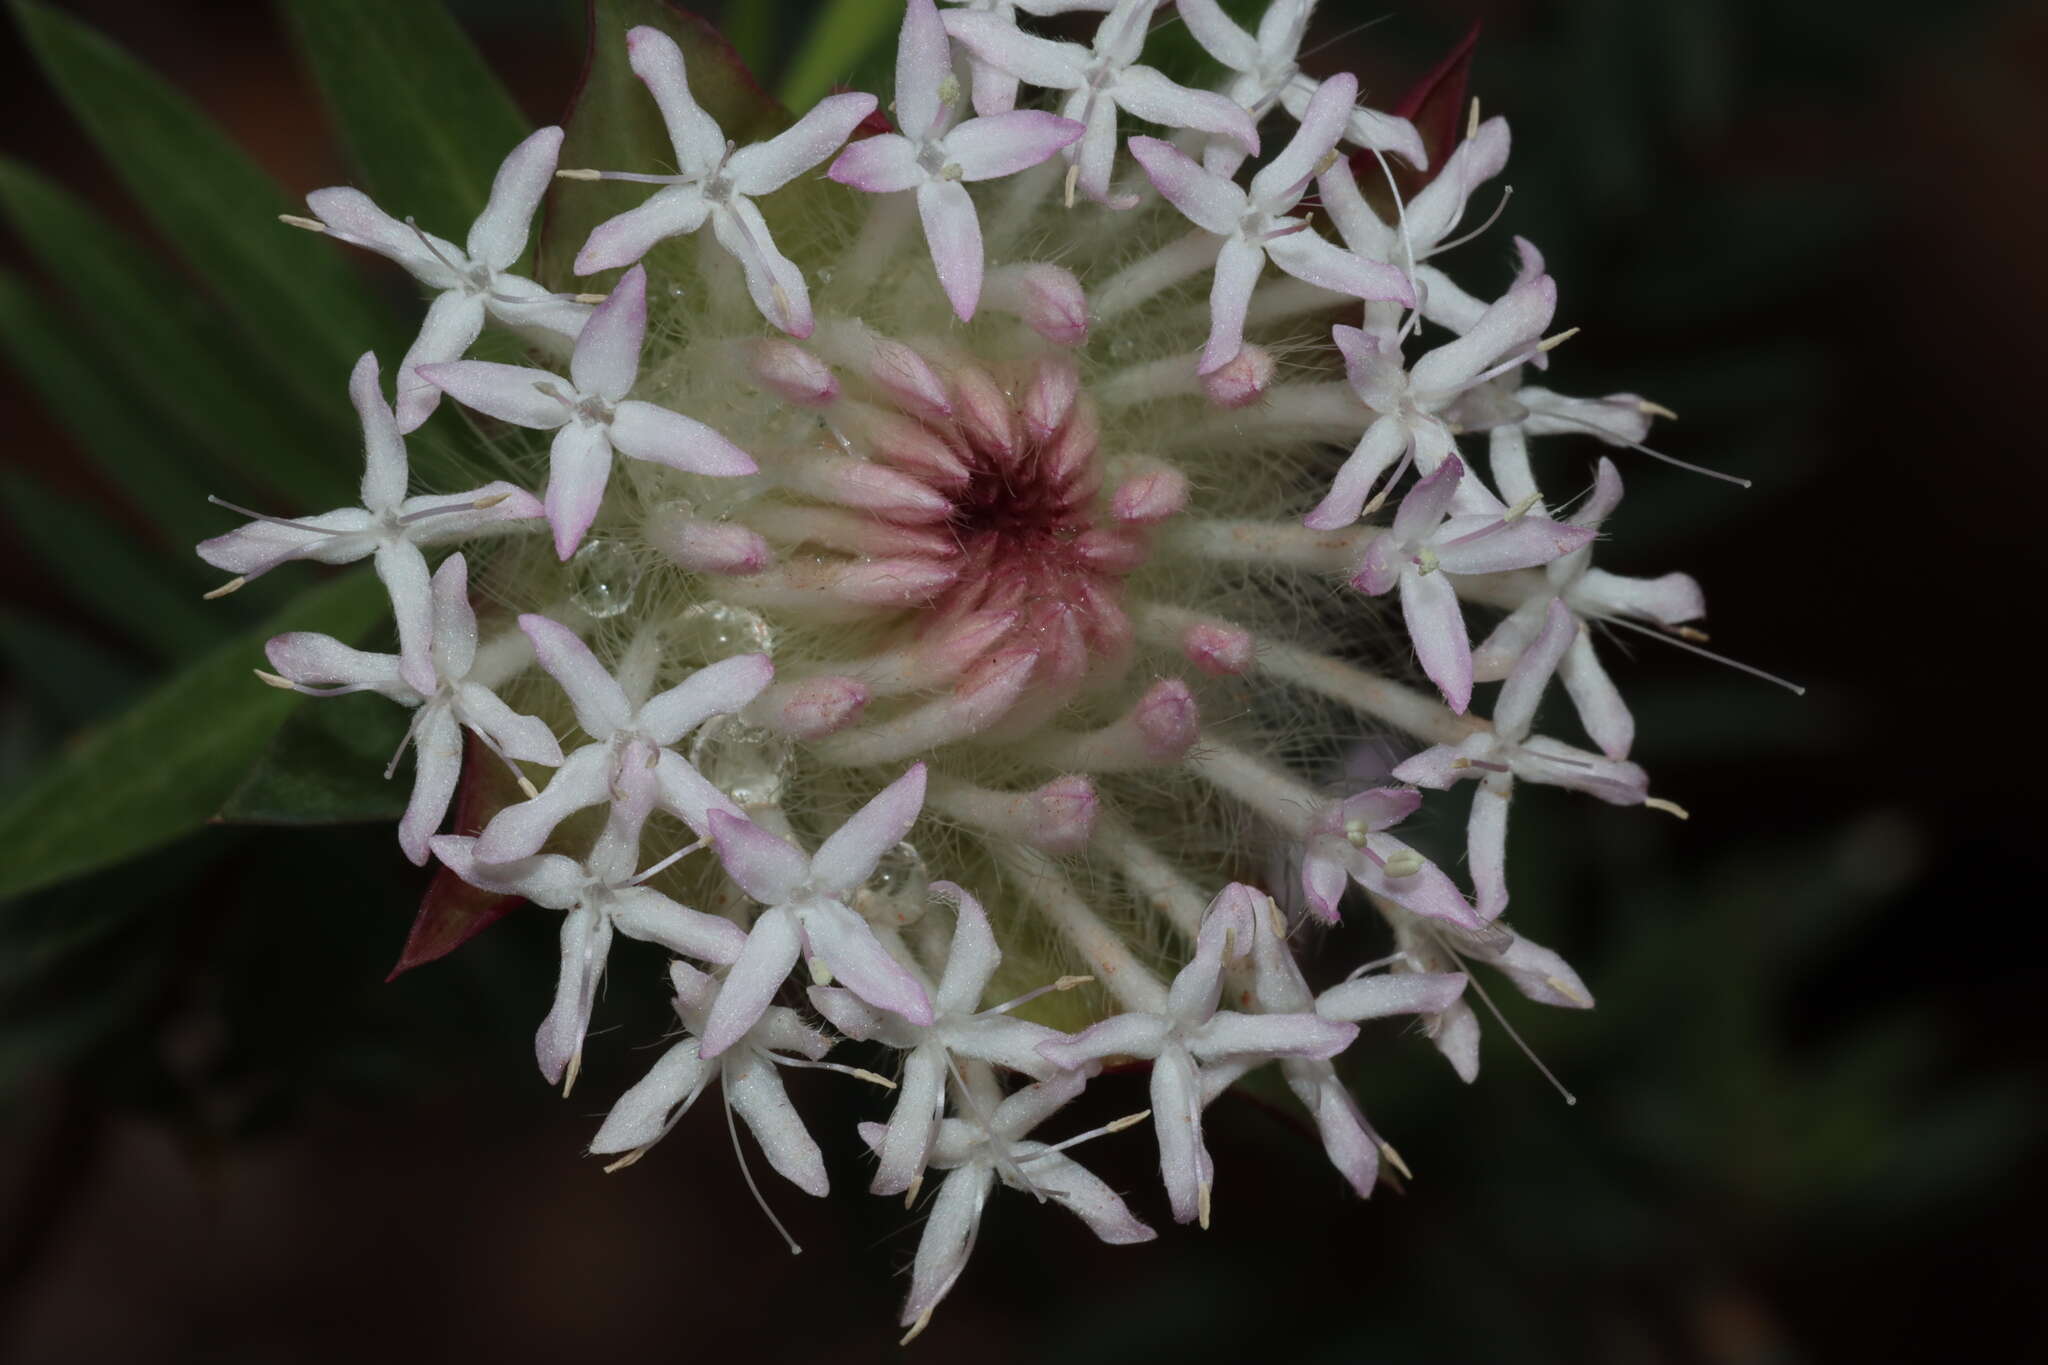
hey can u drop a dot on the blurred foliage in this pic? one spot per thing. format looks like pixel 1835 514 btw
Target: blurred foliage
pixel 219 979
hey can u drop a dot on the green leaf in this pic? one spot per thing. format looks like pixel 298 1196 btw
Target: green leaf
pixel 614 125
pixel 107 572
pixel 161 770
pixel 843 39
pixel 61 366
pixel 325 766
pixel 173 354
pixel 306 315
pixel 424 120
pixel 75 678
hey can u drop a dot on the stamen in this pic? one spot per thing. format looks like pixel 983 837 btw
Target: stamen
pixel 1557 339
pixel 274 521
pixel 1649 409
pixel 858 1073
pixel 1394 1158
pixel 428 243
pixel 1472 120
pixel 1670 637
pixel 1507 192
pixel 1472 980
pixel 1113 1126
pixel 578 173
pixel 1668 807
pixel 235 584
pixel 1609 437
pixel 1065 983
pixel 294 220
pixel 481 504
pixel 732 1128
pixel 666 863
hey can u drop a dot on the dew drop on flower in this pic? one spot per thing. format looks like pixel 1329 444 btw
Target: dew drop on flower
pixel 896 894
pixel 747 762
pixel 711 631
pixel 605 578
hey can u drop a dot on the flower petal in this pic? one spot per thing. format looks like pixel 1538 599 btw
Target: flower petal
pixel 676 211
pixel 773 946
pixel 767 868
pixel 846 944
pixel 953 234
pixel 579 467
pixel 1210 202
pixel 437 763
pixel 517 831
pixel 498 235
pixel 1004 144
pixel 767 166
pixel 558 1044
pixel 454 320
pixel 644 431
pixel 755 1091
pixel 642 912
pixel 1436 627
pixel 607 355
pixel 971 958
pixel 647 1111
pixel 600 703
pixel 511 393
pixel 847 858
pixel 1385 994
pixel 881 164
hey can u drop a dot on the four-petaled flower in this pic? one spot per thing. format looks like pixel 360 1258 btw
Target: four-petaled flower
pixel 1592 594
pixel 1348 840
pixel 933 159
pixel 1190 1034
pixel 987 1143
pixel 1426 543
pixel 959 1028
pixel 1500 755
pixel 600 895
pixel 717 183
pixel 323 666
pixel 1255 226
pixel 1409 405
pixel 1266 72
pixel 474 280
pixel 630 762
pixel 747 1073
pixel 807 915
pixel 1276 986
pixel 1101 80
pixel 995 90
pixel 389 527
pixel 590 413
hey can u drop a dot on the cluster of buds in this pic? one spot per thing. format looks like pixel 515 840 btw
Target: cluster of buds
pixel 992 547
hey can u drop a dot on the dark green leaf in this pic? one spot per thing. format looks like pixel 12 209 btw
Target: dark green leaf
pixel 61 366
pixel 306 315
pixel 615 126
pixel 325 766
pixel 161 770
pixel 72 677
pixel 106 571
pixel 425 121
pixel 174 354
pixel 843 38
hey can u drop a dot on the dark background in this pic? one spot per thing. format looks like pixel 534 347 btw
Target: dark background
pixel 1808 1126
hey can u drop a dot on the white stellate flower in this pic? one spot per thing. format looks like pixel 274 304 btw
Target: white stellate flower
pixel 1100 81
pixel 959 1028
pixel 1188 1035
pixel 321 665
pixel 474 281
pixel 389 528
pixel 629 763
pixel 600 894
pixel 985 1144
pixel 1256 227
pixel 716 183
pixel 1265 73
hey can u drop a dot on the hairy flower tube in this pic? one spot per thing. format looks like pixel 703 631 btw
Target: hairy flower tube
pixel 945 592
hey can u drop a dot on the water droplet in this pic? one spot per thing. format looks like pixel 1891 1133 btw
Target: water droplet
pixel 746 762
pixel 896 894
pixel 605 577
pixel 824 275
pixel 711 631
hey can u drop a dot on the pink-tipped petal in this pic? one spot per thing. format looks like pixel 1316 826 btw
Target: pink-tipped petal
pixel 847 858
pixel 767 868
pixel 579 467
pixel 607 355
pixel 498 236
pixel 953 232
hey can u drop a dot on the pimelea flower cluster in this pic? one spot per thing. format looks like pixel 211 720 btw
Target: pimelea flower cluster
pixel 983 515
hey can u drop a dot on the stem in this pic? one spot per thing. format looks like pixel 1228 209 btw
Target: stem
pixel 1042 883
pixel 1181 259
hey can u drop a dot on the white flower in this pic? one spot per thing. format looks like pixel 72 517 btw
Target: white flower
pixel 630 762
pixel 590 413
pixel 719 185
pixel 1190 1034
pixel 389 527
pixel 1266 72
pixel 321 665
pixel 1100 80
pixel 959 1028
pixel 933 159
pixel 600 894
pixel 807 915
pixel 989 1143
pixel 473 282
pixel 747 1073
pixel 1255 226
